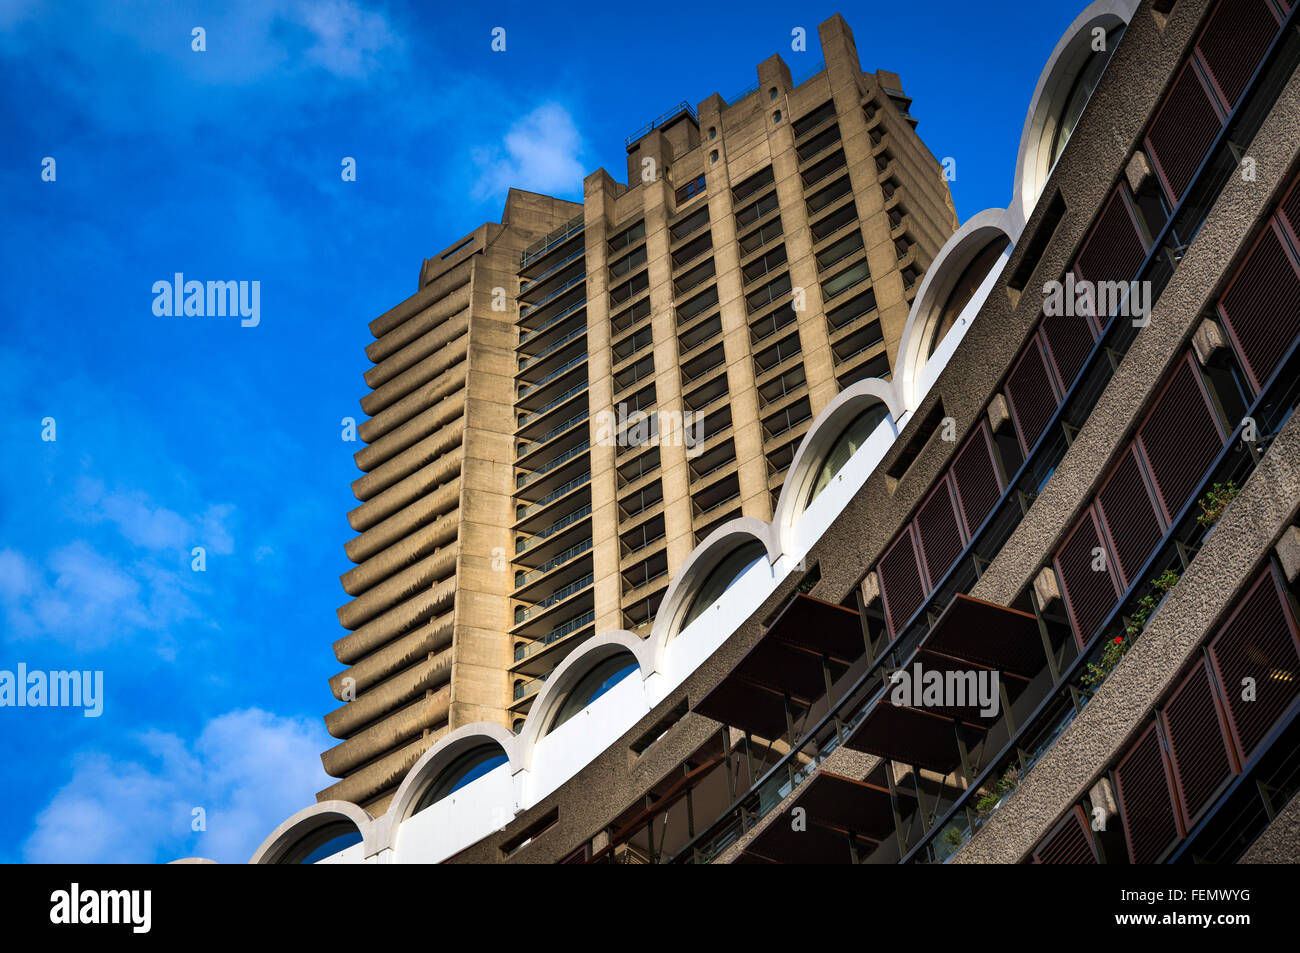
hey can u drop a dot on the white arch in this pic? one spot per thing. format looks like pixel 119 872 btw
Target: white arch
pixel 940 279
pixel 568 673
pixel 312 818
pixel 437 759
pixel 704 558
pixel 817 442
pixel 1033 161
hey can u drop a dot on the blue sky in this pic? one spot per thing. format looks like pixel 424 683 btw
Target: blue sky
pixel 176 432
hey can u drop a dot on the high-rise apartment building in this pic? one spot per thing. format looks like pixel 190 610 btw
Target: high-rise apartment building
pixel 575 398
pixel 1032 596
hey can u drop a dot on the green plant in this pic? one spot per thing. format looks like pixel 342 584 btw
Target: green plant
pixel 1001 788
pixel 1118 647
pixel 1214 502
pixel 951 836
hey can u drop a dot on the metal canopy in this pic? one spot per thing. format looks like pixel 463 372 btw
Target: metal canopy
pixel 916 736
pixel 989 635
pixel 809 644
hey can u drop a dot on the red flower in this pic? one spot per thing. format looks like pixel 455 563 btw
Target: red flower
pixel 1118 640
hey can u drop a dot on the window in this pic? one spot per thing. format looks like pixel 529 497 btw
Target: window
pixel 771 93
pixel 964 288
pixel 323 842
pixel 690 189
pixel 723 577
pixel 713 156
pixel 776 116
pixel 1080 93
pixel 713 132
pixel 471 765
pixel 604 676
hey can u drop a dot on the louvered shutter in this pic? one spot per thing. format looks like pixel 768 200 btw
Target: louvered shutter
pixel 936 526
pixel 1180 437
pixel 1069 342
pixel 1182 131
pixel 1031 394
pixel 1113 250
pixel 901 586
pixel 1089 594
pixel 976 477
pixel 1260 642
pixel 1070 842
pixel 1235 38
pixel 1198 747
pixel 1142 782
pixel 1130 517
pixel 1289 213
pixel 1261 306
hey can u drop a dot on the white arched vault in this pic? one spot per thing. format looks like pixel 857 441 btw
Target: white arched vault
pixel 311 819
pixel 1034 159
pixel 440 757
pixel 568 673
pixel 819 440
pixel 704 558
pixel 927 307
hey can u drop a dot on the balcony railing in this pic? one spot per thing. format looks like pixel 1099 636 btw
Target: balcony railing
pixel 526 389
pixel 561 524
pixel 568 628
pixel 549 498
pixel 533 476
pixel 527 362
pixel 534 308
pixel 523 615
pixel 551 322
pixel 524 578
pixel 528 446
pixel 550 240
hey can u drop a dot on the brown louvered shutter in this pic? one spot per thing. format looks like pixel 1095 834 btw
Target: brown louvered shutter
pixel 1289 213
pixel 976 477
pixel 1182 131
pixel 1235 38
pixel 1261 306
pixel 1198 746
pixel 1151 825
pixel 1259 641
pixel 1114 248
pixel 1069 843
pixel 936 526
pixel 1069 342
pixel 1031 394
pixel 1180 437
pixel 1089 594
pixel 1130 516
pixel 900 581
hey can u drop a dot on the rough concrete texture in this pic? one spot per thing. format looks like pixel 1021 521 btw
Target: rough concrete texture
pixel 1280 844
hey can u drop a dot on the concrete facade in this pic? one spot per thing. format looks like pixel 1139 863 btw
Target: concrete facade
pixel 507 511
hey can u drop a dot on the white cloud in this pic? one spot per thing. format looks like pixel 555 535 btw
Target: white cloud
pixel 153 526
pixel 86 601
pixel 346 39
pixel 540 153
pixel 248 769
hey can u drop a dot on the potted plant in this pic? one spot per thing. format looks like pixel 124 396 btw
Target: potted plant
pixel 1118 646
pixel 1214 502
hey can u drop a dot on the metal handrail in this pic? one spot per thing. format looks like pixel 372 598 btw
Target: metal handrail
pixel 548 241
pixel 673 113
